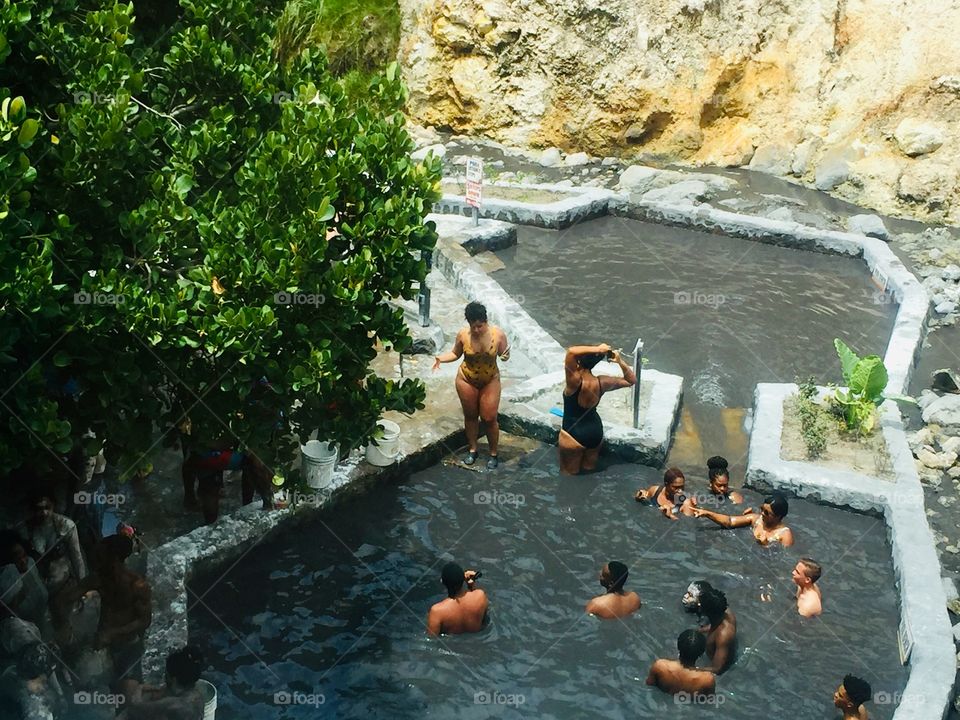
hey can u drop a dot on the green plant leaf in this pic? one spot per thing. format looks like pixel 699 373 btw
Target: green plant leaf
pixel 848 360
pixel 869 378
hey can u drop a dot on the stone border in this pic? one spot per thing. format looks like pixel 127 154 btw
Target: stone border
pixel 581 203
pixel 490 235
pixel 932 662
pixel 909 329
pixel 649 444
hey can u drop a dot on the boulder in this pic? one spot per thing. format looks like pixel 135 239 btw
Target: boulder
pixel 869 225
pixel 927 182
pixel 916 137
pixel 803 155
pixel 834 167
pixel 951 273
pixel 923 436
pixel 934 460
pixel 638 178
pixel 687 191
pixel 945 410
pixel 551 157
pixel 439 150
pixel 951 445
pixel 608 161
pixel 946 307
pixel 580 158
pixel 945 380
pixel 927 398
pixel 771 158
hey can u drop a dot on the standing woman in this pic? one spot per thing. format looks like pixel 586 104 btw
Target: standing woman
pixel 581 433
pixel 478 379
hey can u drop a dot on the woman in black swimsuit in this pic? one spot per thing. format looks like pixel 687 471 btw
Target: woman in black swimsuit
pixel 582 430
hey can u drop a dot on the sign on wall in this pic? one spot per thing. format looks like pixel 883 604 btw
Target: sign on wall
pixel 474 182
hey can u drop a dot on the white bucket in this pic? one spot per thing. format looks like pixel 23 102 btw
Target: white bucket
pixel 319 460
pixel 209 694
pixel 387 448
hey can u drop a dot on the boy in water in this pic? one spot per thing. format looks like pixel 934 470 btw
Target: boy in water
pixel 616 602
pixel 676 676
pixel 465 607
pixel 805 575
pixel 721 632
pixel 850 697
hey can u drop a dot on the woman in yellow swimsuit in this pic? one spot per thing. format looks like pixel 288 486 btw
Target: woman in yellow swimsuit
pixel 767 525
pixel 478 379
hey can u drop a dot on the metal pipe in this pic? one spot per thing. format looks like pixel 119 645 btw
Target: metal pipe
pixel 423 299
pixel 637 363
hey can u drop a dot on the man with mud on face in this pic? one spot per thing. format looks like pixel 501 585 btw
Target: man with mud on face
pixel 691 598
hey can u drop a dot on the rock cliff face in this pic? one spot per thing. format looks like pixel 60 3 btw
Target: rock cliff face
pixel 859 97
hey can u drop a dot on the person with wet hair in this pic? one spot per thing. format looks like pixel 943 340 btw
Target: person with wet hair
pixel 718 475
pixel 178 699
pixel 676 676
pixel 691 598
pixel 768 526
pixel 721 630
pixel 581 432
pixel 616 602
pixel 465 608
pixel 805 575
pixel 669 497
pixel 478 378
pixel 850 697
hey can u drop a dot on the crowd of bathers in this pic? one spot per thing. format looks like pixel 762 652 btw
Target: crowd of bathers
pixel 579 442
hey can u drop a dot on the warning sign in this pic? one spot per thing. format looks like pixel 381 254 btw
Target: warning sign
pixel 474 182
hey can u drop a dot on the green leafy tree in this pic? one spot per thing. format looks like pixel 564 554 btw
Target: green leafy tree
pixel 224 230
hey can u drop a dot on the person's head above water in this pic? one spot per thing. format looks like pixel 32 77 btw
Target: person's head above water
pixel 718 475
pixel 476 315
pixel 691 645
pixel 452 576
pixel 691 598
pixel 806 572
pixel 774 509
pixel 713 604
pixel 673 481
pixel 184 666
pixel 613 576
pixel 852 693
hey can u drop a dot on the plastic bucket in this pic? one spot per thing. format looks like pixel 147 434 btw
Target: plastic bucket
pixel 387 448
pixel 319 460
pixel 209 693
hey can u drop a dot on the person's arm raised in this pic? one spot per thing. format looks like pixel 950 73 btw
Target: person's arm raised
pixel 612 382
pixel 452 354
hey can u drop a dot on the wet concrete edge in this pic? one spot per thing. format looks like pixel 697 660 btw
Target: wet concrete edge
pixel 922 598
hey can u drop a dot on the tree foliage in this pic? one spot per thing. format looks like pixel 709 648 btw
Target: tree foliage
pixel 209 234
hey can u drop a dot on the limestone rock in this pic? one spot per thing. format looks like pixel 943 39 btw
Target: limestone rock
pixel 927 182
pixel 834 167
pixel 945 380
pixel 916 137
pixel 946 307
pixel 951 273
pixel 453 35
pixel 944 410
pixel 869 225
pixel 951 445
pixel 781 214
pixel 926 399
pixel 638 178
pixel 938 461
pixel 575 159
pixel 771 158
pixel 682 192
pixel 803 155
pixel 923 436
pixel 551 157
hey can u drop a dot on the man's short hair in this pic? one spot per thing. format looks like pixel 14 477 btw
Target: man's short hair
pixel 452 577
pixel 812 568
pixel 618 574
pixel 858 690
pixel 691 645
pixel 713 603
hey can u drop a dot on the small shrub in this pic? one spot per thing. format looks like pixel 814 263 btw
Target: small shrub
pixel 813 419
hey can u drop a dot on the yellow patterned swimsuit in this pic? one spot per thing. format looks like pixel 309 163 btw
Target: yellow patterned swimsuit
pixel 479 366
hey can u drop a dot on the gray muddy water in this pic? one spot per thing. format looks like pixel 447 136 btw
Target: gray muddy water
pixel 332 614
pixel 723 313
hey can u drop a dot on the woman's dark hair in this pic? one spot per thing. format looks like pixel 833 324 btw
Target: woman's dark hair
pixel 717 467
pixel 184 665
pixel 475 312
pixel 672 474
pixel 590 361
pixel 778 504
pixel 858 690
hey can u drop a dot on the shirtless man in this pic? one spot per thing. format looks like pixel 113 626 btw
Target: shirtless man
pixel 721 632
pixel 675 676
pixel 178 699
pixel 616 602
pixel 850 697
pixel 805 575
pixel 465 607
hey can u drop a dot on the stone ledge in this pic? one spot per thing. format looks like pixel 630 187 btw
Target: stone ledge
pixel 489 235
pixel 580 203
pixel 922 600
